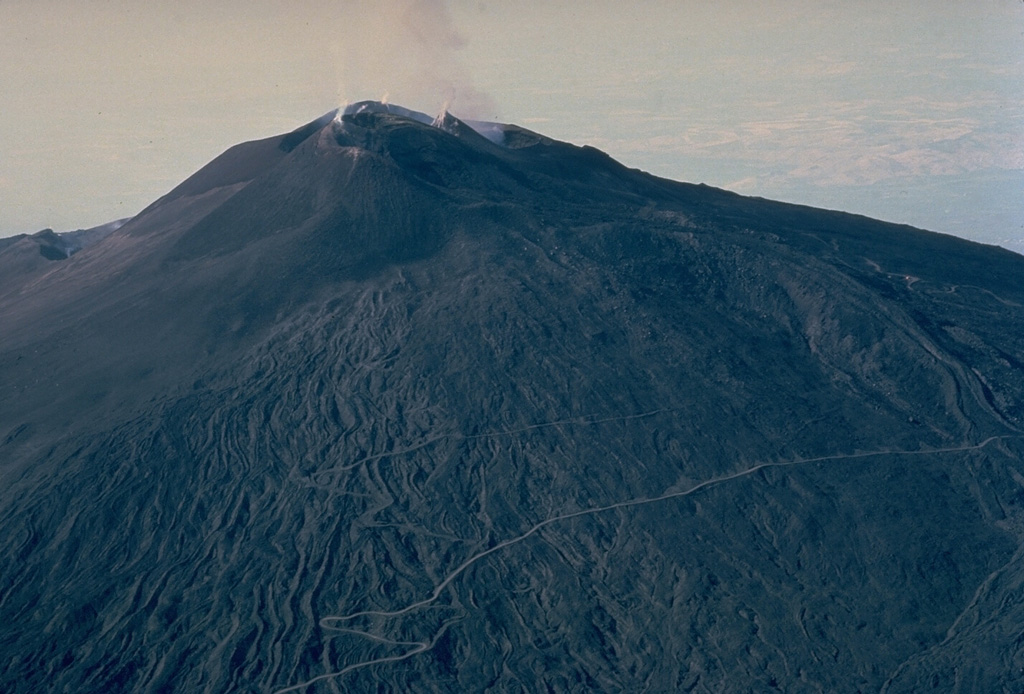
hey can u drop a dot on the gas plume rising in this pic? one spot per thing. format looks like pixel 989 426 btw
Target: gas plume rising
pixel 408 50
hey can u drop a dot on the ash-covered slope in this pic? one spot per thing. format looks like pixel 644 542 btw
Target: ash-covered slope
pixel 25 255
pixel 382 405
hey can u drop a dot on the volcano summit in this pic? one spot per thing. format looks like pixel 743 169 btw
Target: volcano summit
pixel 388 404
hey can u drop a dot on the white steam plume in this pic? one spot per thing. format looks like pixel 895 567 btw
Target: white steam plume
pixel 409 51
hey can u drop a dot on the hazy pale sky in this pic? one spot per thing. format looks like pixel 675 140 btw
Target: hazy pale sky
pixel 911 112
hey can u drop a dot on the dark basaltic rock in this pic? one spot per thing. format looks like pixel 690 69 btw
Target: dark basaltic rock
pixel 385 405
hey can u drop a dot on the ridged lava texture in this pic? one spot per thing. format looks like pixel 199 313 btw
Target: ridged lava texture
pixel 380 406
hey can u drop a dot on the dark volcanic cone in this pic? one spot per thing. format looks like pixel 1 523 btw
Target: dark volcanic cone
pixel 382 405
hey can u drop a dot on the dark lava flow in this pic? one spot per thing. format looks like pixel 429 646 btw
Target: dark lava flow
pixel 383 405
